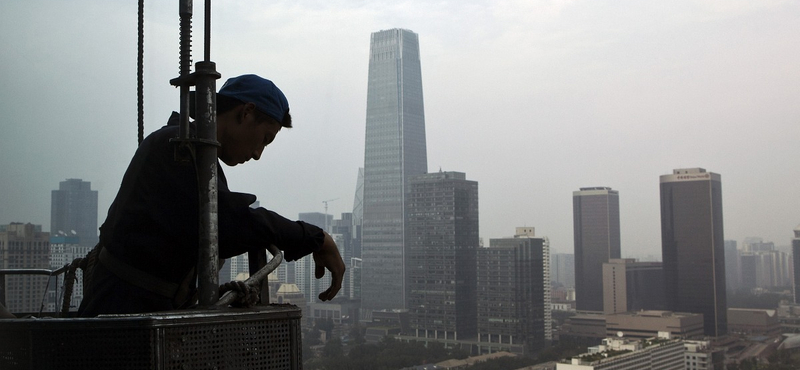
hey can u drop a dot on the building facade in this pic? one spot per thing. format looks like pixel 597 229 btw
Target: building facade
pixel 24 246
pixel 513 291
pixel 595 213
pixel 63 250
pixel 632 286
pixel 626 354
pixel 646 324
pixel 733 266
pixel 562 269
pixel 394 151
pixel 692 242
pixel 441 250
pixel 73 211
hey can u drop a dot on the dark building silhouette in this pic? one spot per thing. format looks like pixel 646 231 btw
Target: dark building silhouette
pixel 394 151
pixel 73 211
pixel 595 213
pixel 693 246
pixel 441 247
pixel 513 291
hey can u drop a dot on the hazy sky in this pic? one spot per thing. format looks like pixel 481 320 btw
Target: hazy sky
pixel 532 99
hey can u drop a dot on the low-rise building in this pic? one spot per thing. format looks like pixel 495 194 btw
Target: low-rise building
pixel 647 324
pixel 753 322
pixel 660 353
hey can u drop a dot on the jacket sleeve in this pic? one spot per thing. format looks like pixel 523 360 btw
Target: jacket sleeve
pixel 242 229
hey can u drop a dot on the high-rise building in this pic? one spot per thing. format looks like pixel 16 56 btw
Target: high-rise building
pixel 73 211
pixel 562 269
pixel 63 250
pixel 24 246
pixel 632 286
pixel 733 266
pixel 513 291
pixel 693 246
pixel 595 213
pixel 304 268
pixel 796 263
pixel 441 249
pixel 394 151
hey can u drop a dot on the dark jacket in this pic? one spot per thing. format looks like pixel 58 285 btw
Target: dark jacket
pixel 152 226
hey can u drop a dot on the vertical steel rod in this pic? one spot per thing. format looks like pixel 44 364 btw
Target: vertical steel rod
pixel 206 163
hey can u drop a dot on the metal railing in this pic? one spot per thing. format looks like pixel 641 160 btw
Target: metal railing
pixel 43 272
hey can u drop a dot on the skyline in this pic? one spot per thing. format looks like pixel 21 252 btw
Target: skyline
pixel 533 100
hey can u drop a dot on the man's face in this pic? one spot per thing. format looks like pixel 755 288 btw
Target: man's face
pixel 246 138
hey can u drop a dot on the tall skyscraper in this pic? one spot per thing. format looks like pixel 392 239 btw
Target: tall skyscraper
pixel 441 246
pixel 693 246
pixel 513 291
pixel 562 269
pixel 304 268
pixel 796 263
pixel 595 213
pixel 73 211
pixel 733 266
pixel 394 151
pixel 24 246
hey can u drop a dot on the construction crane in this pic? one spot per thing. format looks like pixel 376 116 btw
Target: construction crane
pixel 327 229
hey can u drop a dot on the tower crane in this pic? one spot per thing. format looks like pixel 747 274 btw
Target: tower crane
pixel 327 229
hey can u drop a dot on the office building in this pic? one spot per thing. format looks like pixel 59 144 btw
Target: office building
pixel 632 286
pixel 763 266
pixel 648 323
pixel 513 291
pixel 693 246
pixel 754 322
pixel 304 268
pixel 73 211
pixel 24 246
pixel 394 151
pixel 441 249
pixel 796 263
pixel 595 213
pixel 562 269
pixel 353 290
pixel 63 250
pixel 700 355
pixel 620 353
pixel 733 266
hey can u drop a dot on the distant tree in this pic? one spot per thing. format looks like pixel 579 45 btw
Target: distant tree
pixel 357 334
pixel 504 363
pixel 325 325
pixel 561 350
pixel 743 298
pixel 333 349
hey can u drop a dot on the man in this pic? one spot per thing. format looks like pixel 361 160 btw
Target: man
pixel 149 241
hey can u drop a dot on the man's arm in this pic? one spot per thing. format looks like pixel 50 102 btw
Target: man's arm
pixel 328 258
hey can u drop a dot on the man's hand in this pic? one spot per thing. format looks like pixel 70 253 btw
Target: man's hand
pixel 328 258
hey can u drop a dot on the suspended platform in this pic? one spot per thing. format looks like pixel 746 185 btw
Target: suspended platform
pixel 263 337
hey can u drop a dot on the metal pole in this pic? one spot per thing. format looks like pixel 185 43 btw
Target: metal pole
pixel 206 164
pixel 206 77
pixel 185 12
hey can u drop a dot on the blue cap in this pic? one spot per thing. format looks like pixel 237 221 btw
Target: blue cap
pixel 267 97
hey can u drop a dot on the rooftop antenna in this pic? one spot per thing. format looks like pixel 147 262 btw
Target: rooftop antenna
pixel 326 212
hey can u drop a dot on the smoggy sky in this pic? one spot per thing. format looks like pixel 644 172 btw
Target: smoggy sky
pixel 532 99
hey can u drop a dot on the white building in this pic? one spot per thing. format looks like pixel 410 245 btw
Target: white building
pixel 661 353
